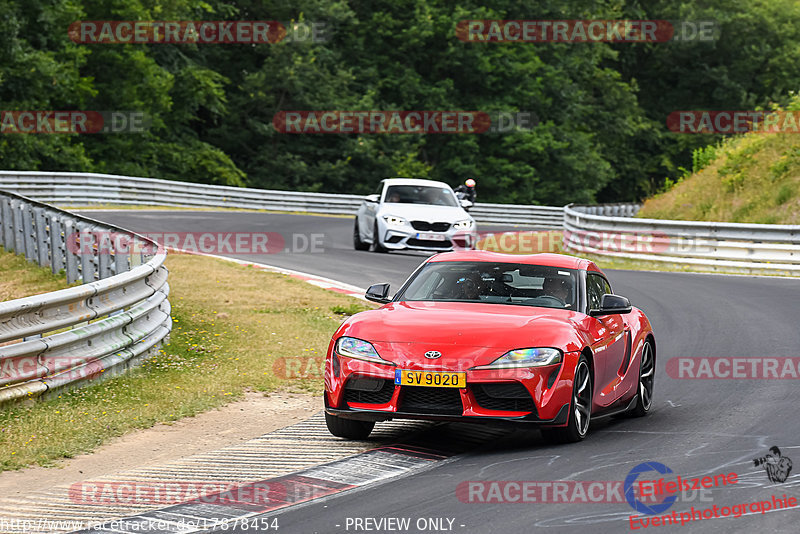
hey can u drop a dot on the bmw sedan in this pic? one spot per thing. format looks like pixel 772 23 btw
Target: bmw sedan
pixel 481 336
pixel 414 214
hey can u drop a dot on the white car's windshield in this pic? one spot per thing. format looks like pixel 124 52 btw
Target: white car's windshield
pixel 420 194
pixel 494 283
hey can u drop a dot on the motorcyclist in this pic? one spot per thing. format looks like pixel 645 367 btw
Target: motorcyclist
pixel 466 191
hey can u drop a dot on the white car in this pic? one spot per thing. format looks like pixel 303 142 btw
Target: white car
pixel 414 214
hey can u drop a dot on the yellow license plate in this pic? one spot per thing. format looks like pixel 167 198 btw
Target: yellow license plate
pixel 435 379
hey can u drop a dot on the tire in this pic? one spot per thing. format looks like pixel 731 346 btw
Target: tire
pixel 376 243
pixel 647 375
pixel 348 428
pixel 357 243
pixel 580 408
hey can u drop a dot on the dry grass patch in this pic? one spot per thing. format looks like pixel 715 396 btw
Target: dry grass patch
pixel 754 179
pixel 22 278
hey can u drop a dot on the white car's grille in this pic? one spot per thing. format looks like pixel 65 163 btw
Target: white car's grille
pixel 425 226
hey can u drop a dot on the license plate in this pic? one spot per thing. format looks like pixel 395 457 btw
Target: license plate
pixel 431 237
pixel 435 379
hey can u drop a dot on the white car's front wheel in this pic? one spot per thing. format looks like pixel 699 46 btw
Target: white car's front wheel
pixel 357 243
pixel 376 240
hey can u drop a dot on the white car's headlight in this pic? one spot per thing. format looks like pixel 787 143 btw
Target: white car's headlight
pixel 359 349
pixel 464 225
pixel 393 220
pixel 534 357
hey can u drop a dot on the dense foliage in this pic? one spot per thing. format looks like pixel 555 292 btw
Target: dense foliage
pixel 601 107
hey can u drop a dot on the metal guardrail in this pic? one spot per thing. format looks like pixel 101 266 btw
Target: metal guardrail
pixel 613 231
pixel 608 229
pixel 76 335
pixel 81 189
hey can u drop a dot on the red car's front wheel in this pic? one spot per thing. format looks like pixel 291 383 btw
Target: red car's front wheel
pixel 647 369
pixel 580 412
pixel 348 428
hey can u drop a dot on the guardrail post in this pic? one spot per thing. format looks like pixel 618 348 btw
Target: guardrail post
pixel 57 244
pixel 19 239
pixel 41 236
pixel 70 249
pixel 121 253
pixel 104 247
pixel 7 218
pixel 27 233
pixel 86 251
pixel 2 224
pixel 136 253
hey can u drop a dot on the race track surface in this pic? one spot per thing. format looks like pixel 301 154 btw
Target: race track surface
pixel 696 427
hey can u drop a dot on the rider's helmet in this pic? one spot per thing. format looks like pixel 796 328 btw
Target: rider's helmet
pixel 470 182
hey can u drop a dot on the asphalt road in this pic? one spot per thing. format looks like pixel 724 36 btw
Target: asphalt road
pixel 312 244
pixel 696 428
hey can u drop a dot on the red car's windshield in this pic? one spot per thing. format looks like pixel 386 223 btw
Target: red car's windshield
pixel 494 283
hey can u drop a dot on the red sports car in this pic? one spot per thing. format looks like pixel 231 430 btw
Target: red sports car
pixel 482 336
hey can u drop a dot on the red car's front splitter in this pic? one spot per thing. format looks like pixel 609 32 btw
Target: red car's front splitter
pixel 362 390
pixel 371 415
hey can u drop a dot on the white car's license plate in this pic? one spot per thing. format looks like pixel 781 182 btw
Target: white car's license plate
pixel 431 237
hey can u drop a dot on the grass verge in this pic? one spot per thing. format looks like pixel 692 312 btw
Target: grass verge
pixel 753 178
pixel 235 329
pixel 22 278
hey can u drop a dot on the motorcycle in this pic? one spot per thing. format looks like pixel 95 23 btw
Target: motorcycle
pixel 465 197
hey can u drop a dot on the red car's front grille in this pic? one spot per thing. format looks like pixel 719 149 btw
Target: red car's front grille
pixel 504 396
pixel 439 401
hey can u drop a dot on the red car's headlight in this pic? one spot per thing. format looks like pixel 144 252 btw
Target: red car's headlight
pixel 534 357
pixel 359 349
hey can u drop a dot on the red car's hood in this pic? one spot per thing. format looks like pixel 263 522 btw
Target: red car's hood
pixel 457 328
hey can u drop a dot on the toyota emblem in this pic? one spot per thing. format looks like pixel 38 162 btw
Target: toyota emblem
pixel 433 354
